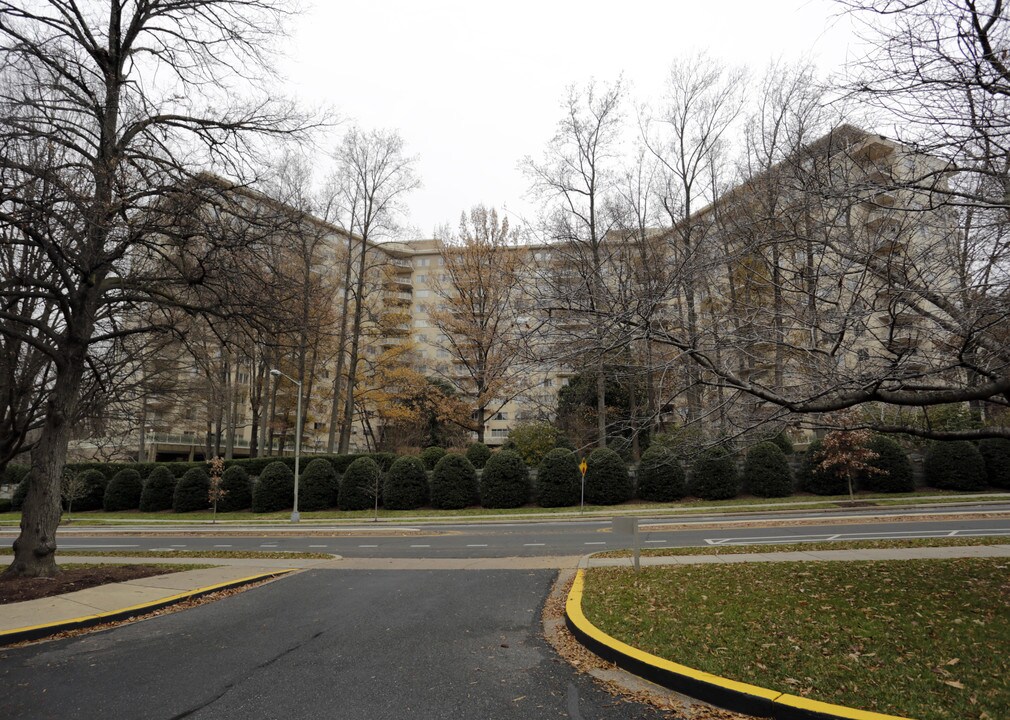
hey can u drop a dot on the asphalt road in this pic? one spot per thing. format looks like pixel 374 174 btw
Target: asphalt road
pixel 530 539
pixel 321 644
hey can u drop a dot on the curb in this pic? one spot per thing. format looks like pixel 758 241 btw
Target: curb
pixel 38 632
pixel 723 692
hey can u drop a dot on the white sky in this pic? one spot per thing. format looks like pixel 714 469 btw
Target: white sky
pixel 474 86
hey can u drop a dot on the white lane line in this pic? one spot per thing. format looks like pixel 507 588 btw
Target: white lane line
pixel 161 549
pixel 420 546
pixel 834 537
pixel 952 533
pixel 222 546
pixel 68 547
pixel 655 541
pixel 360 546
pixel 317 546
pixel 269 545
pixel 595 543
pixel 476 545
pixel 534 544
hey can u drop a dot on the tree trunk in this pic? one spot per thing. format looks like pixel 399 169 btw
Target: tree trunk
pixel 352 366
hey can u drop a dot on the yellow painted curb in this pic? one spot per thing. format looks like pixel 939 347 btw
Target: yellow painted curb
pixel 658 668
pixel 35 632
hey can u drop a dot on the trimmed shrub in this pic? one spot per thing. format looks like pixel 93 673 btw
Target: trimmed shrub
pixel 237 487
pixel 107 469
pixel 559 482
pixel 893 460
pixel 13 474
pixel 766 471
pixel 95 482
pixel 318 486
pixel 340 463
pixel 505 482
pixel 123 491
pixel 275 489
pixel 661 477
pixel 5 505
pixel 816 480
pixel 956 465
pixel 453 483
pixel 384 460
pixel 158 491
pixel 406 486
pixel 191 491
pixel 478 455
pixel 996 453
pixel 785 444
pixel 714 475
pixel 359 484
pixel 430 456
pixel 533 440
pixel 607 479
pixel 19 495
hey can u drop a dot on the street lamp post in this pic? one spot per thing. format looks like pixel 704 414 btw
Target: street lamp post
pixel 295 517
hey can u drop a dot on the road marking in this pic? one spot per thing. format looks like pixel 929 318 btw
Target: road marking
pixel 222 546
pixel 420 546
pixel 655 541
pixel 595 543
pixel 834 537
pixel 269 545
pixel 360 546
pixel 68 547
pixel 884 535
pixel 476 545
pixel 317 546
pixel 952 533
pixel 534 544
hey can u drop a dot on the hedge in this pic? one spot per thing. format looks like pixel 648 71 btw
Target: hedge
pixel 453 483
pixel 956 465
pixel 275 489
pixel 714 475
pixel 237 488
pixel 123 491
pixel 318 486
pixel 13 474
pixel 996 453
pixel 478 454
pixel 360 481
pixel 406 486
pixel 505 482
pixel 384 460
pixel 158 490
pixel 661 477
pixel 191 491
pixel 816 480
pixel 766 471
pixel 431 455
pixel 94 483
pixel 559 482
pixel 893 461
pixel 607 479
pixel 19 495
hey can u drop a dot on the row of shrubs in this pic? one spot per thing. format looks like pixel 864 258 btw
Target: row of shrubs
pixel 403 483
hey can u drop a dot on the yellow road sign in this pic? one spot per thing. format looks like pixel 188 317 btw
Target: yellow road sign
pixel 583 466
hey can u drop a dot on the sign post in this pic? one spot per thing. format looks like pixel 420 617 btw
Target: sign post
pixel 628 526
pixel 582 468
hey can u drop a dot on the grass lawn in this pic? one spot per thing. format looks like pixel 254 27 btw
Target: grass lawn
pixel 927 639
pixel 812 546
pixel 800 501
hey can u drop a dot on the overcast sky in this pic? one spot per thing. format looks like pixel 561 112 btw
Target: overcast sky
pixel 475 86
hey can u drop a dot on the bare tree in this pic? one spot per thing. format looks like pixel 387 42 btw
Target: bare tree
pixel 126 209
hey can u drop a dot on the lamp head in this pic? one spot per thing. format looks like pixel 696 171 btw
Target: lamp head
pixel 275 372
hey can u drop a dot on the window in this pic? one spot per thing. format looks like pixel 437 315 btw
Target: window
pixel 499 433
pixel 443 353
pixel 502 416
pixel 420 323
pixel 318 426
pixel 548 382
pixel 422 262
pixel 422 293
pixel 420 278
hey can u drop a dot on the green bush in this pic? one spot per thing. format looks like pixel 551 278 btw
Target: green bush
pixel 607 479
pixel 431 455
pixel 158 491
pixel 191 491
pixel 505 482
pixel 533 441
pixel 318 486
pixel 340 463
pixel 478 455
pixel 785 444
pixel 95 482
pixel 13 474
pixel 661 477
pixel 559 482
pixel 237 489
pixel 275 489
pixel 955 465
pixel 5 505
pixel 384 460
pixel 714 475
pixel 893 461
pixel 123 491
pixel 107 469
pixel 996 453
pixel 453 483
pixel 406 486
pixel 19 495
pixel 362 478
pixel 766 471
pixel 816 480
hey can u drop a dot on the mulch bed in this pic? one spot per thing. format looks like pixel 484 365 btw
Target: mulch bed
pixel 13 589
